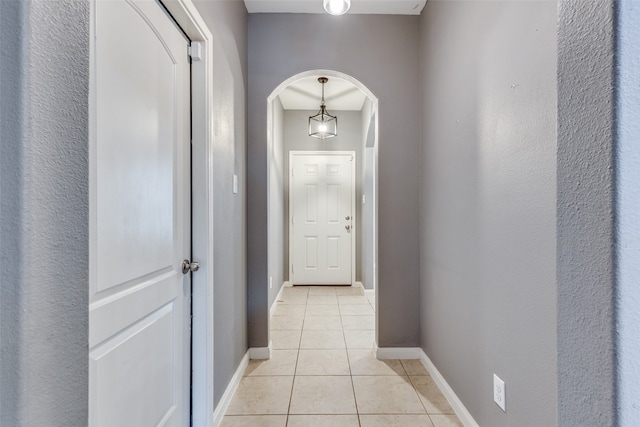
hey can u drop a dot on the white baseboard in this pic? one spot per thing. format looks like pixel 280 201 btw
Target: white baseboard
pixel 221 409
pixel 275 301
pixel 384 353
pixel 260 353
pixel 370 292
pixel 418 353
pixel 454 401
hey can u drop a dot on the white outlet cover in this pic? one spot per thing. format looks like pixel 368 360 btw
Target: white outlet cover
pixel 499 393
pixel 235 184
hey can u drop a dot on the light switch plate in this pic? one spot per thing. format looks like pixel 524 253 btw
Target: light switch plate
pixel 235 184
pixel 499 393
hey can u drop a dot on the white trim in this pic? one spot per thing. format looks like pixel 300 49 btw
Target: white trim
pixel 223 405
pixel 187 16
pixel 274 305
pixel 455 402
pixel 418 353
pixel 369 292
pixel 260 353
pixel 386 353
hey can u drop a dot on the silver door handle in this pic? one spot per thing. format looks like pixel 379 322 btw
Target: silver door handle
pixel 348 227
pixel 189 267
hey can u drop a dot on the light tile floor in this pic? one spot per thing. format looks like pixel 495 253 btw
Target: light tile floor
pixel 323 371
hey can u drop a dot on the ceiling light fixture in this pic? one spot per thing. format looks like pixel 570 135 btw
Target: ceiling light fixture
pixel 323 125
pixel 336 7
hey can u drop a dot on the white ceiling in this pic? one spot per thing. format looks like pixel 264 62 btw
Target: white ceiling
pixel 305 94
pixel 384 7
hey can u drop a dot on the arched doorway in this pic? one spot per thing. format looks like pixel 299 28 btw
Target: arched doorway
pixel 288 108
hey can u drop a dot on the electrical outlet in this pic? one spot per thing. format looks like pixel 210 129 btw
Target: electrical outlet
pixel 499 393
pixel 270 282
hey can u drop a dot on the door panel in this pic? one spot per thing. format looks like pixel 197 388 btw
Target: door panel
pixel 322 201
pixel 139 314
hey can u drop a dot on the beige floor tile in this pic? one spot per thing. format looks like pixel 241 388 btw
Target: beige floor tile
pixel 285 339
pixel 446 421
pixel 254 421
pixel 297 299
pixel 322 340
pixel 356 310
pixel 322 299
pixel 286 323
pixel 295 290
pixel 358 322
pixel 352 299
pixel 322 310
pixel 289 310
pixel 364 362
pixel 322 395
pixel 350 290
pixel 323 362
pixel 322 290
pixel 414 367
pixel 362 339
pixel 431 396
pixel 386 395
pixel 395 421
pixel 282 362
pixel 323 421
pixel 261 396
pixel 317 323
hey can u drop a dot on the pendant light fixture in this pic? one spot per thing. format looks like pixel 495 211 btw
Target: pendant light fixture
pixel 336 7
pixel 323 125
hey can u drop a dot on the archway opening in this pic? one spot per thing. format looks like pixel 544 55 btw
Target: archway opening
pixel 289 106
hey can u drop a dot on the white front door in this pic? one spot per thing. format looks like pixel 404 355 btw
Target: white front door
pixel 321 195
pixel 139 314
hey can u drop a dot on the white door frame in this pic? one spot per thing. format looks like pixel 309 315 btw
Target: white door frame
pixel 354 223
pixel 188 17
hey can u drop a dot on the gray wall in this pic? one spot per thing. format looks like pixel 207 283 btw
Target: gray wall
pixel 367 225
pixel 586 344
pixel 228 23
pixel 488 194
pixel 382 52
pixel 278 243
pixel 44 227
pixel 628 214
pixel 349 138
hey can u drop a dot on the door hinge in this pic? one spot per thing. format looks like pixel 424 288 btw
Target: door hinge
pixel 195 51
pixel 292 221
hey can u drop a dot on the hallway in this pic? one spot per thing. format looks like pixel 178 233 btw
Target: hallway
pixel 323 372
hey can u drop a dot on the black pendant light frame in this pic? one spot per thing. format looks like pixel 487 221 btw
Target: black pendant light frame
pixel 323 125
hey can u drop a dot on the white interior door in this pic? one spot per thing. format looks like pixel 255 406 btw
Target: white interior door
pixel 139 314
pixel 322 231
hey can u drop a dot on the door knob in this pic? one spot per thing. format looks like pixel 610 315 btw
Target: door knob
pixel 348 218
pixel 348 227
pixel 188 266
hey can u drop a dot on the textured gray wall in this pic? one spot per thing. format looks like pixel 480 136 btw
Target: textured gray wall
pixel 349 138
pixel 228 23
pixel 586 348
pixel 382 52
pixel 628 212
pixel 488 195
pixel 44 77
